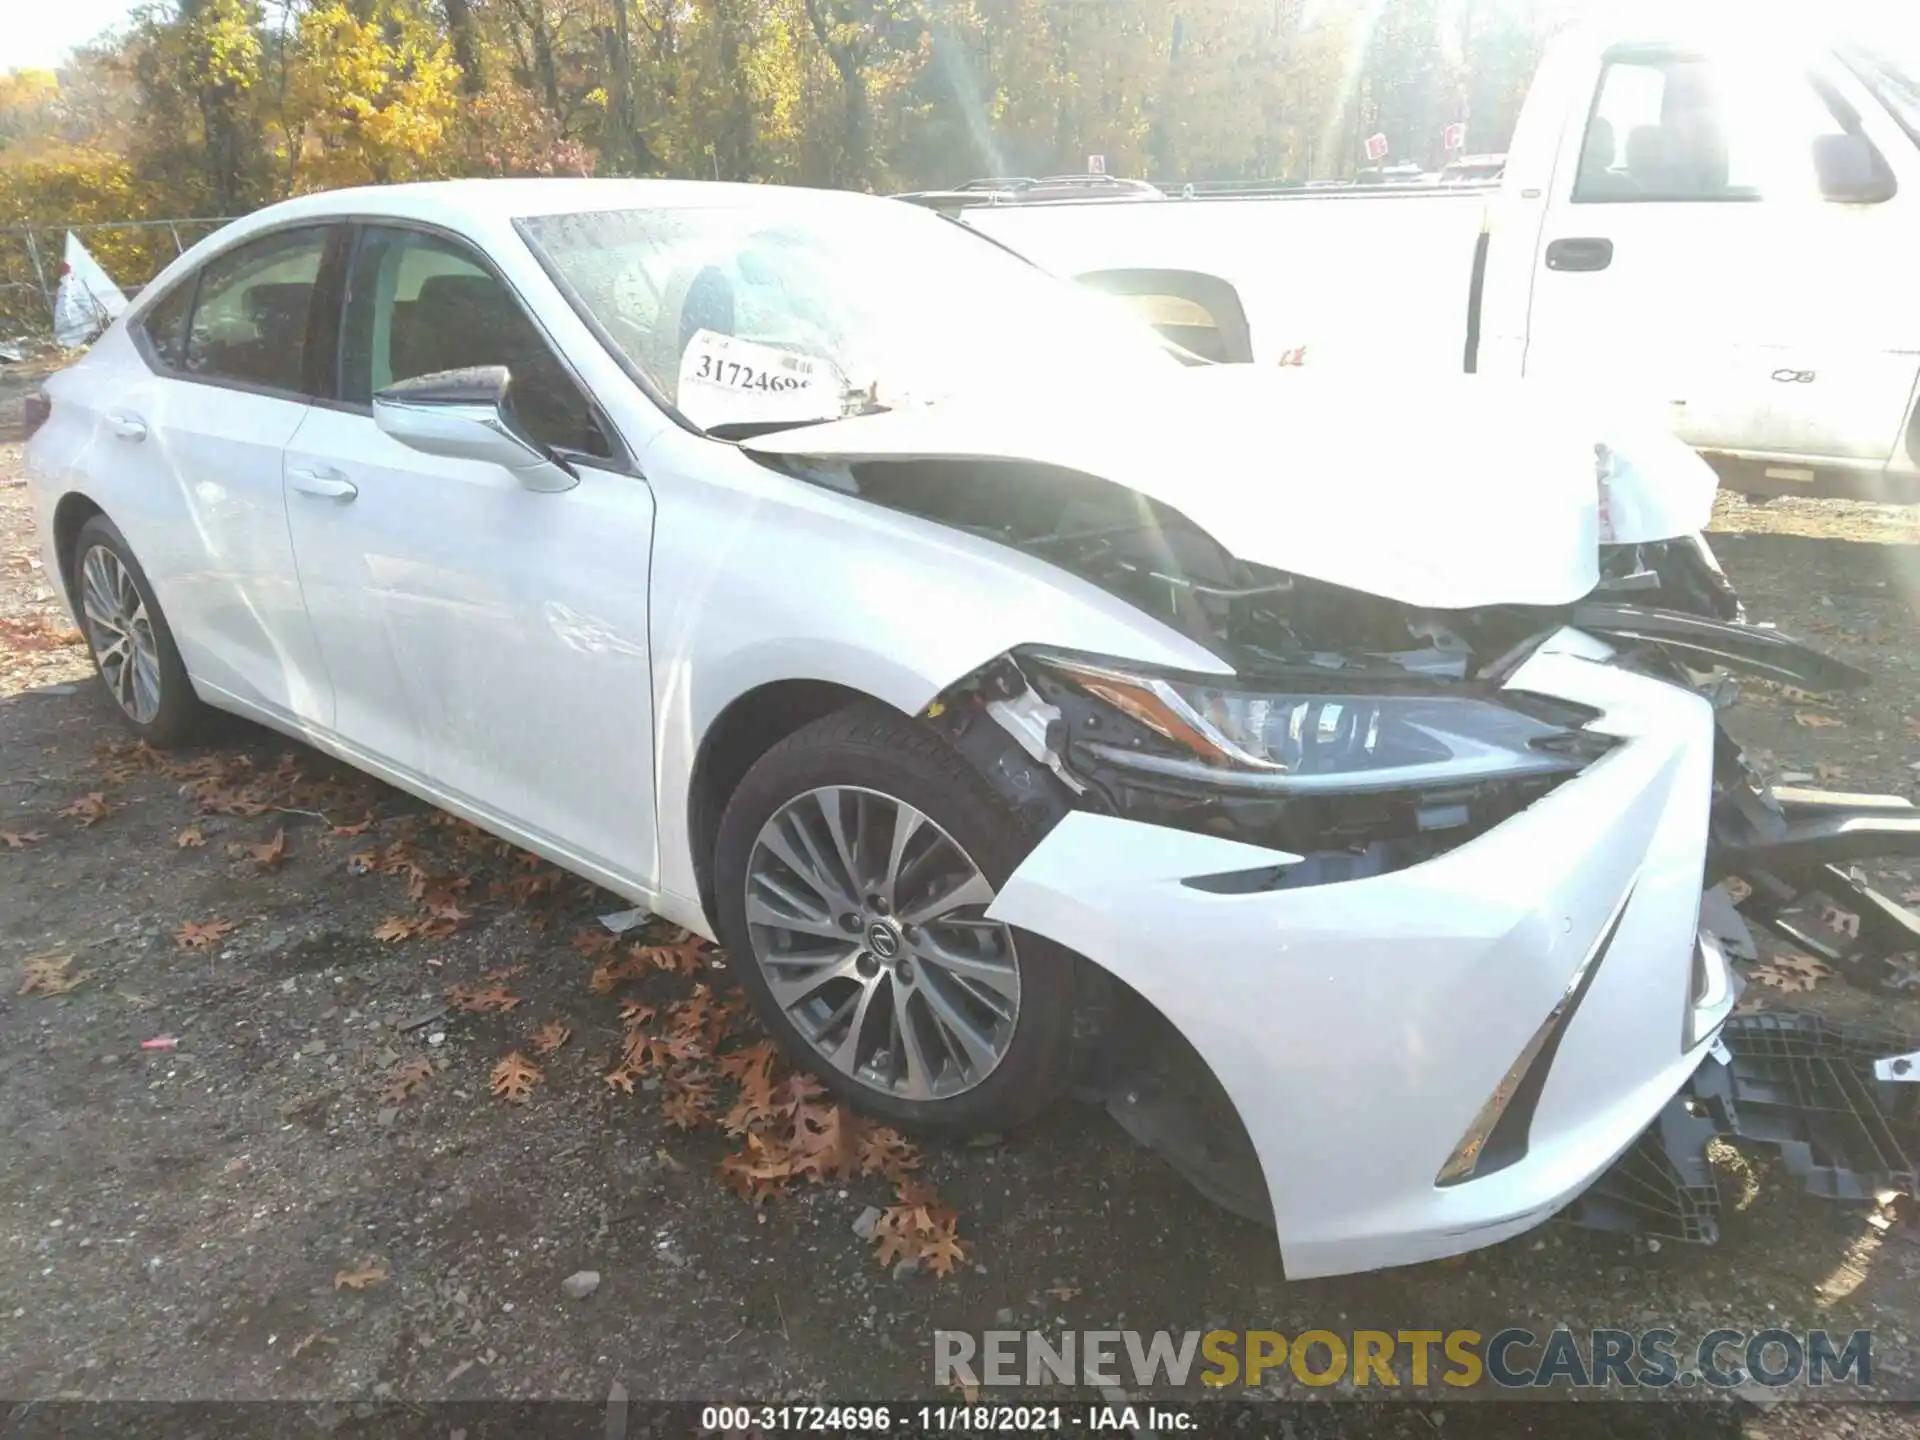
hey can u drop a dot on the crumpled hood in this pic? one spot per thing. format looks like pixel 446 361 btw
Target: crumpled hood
pixel 1451 493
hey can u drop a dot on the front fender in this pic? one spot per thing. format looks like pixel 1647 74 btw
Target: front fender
pixel 759 577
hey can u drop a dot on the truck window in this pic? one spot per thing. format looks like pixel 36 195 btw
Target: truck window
pixel 1681 128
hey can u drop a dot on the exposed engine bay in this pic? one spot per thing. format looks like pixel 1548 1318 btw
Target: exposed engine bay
pixel 1356 661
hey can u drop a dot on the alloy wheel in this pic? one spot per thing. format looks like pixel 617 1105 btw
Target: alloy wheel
pixel 868 922
pixel 121 634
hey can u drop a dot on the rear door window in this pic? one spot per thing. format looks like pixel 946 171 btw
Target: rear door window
pixel 165 325
pixel 252 311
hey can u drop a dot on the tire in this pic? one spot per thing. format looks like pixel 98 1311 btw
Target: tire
pixel 869 751
pixel 169 714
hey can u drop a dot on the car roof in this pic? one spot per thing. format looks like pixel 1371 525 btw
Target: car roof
pixel 482 204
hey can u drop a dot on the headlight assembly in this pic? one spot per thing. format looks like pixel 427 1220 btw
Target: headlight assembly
pixel 1302 741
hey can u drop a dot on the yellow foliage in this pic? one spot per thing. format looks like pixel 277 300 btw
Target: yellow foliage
pixel 368 101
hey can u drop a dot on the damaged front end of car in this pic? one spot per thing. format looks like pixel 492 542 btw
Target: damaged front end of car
pixel 1359 737
pixel 1394 924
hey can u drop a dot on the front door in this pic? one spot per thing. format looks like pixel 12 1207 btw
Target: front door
pixel 488 639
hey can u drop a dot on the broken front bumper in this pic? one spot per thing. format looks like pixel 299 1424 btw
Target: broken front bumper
pixel 1361 1029
pixel 1836 1102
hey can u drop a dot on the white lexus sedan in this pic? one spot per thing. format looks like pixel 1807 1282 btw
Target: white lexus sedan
pixel 981 671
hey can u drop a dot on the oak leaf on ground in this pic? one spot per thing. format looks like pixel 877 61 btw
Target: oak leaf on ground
pixel 941 1253
pixel 494 998
pixel 200 934
pixel 405 1078
pixel 513 1079
pixel 395 928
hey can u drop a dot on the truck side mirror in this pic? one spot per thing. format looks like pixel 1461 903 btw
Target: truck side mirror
pixel 1851 170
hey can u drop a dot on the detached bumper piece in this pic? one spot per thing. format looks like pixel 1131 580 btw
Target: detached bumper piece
pixel 1796 850
pixel 1804 1086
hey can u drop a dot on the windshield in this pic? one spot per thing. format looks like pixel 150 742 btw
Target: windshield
pixel 751 317
pixel 1892 71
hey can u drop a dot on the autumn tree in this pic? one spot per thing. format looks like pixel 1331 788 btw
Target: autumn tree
pixel 205 107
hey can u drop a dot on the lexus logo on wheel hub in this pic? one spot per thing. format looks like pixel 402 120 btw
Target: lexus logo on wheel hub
pixel 883 940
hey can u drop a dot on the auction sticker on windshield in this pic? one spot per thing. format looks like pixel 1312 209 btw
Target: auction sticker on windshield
pixel 727 380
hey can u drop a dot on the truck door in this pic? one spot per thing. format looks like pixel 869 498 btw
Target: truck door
pixel 1690 258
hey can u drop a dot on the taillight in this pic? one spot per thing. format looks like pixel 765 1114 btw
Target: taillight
pixel 36 408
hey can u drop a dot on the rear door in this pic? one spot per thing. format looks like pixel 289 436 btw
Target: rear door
pixel 486 638
pixel 197 448
pixel 1689 260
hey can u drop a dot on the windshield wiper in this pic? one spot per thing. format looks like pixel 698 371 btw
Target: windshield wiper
pixel 754 429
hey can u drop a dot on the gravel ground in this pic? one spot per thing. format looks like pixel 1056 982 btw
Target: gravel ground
pixel 183 1223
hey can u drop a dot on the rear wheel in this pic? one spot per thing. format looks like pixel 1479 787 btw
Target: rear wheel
pixel 854 868
pixel 133 649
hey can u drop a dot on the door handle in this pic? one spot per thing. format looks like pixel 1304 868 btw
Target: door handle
pixel 126 424
pixel 321 480
pixel 1587 254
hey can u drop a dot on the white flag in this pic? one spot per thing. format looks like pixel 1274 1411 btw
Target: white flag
pixel 88 301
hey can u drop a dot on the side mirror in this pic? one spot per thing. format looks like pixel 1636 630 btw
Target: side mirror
pixel 1851 170
pixel 466 415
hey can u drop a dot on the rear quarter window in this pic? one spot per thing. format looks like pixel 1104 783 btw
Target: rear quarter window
pixel 163 325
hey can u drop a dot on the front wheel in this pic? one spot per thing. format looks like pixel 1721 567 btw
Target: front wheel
pixel 853 872
pixel 132 646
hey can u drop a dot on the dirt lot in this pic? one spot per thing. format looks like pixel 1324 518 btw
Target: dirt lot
pixel 183 1223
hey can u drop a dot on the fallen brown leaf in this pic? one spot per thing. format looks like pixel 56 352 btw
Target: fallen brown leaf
pixel 395 928
pixel 198 935
pixel 942 1252
pixel 318 1337
pixel 190 838
pixel 595 943
pixel 405 1078
pixel 269 854
pixel 486 999
pixel 550 1037
pixel 48 975
pixel 89 809
pixel 513 1079
pixel 682 959
pixel 1813 720
pixel 367 1272
pixel 20 839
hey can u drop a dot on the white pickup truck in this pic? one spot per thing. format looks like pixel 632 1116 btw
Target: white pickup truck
pixel 1723 224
